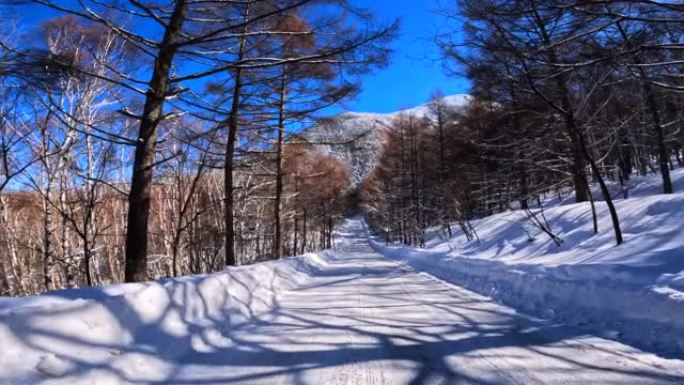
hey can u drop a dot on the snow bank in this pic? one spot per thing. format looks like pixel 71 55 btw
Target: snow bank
pixel 633 292
pixel 123 331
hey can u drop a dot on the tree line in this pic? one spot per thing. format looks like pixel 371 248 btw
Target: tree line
pixel 150 139
pixel 565 95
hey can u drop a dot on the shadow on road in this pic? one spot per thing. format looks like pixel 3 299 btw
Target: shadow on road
pixel 359 319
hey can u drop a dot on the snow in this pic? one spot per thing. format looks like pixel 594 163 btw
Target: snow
pixel 345 316
pixel 54 366
pixel 636 290
pixel 112 333
pixel 423 110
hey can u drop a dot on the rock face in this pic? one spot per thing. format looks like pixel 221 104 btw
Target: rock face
pixel 352 137
pixel 355 136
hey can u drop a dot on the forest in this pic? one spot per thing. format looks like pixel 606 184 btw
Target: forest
pixel 565 95
pixel 159 139
pixel 155 140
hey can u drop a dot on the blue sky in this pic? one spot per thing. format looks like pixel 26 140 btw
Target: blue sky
pixel 413 74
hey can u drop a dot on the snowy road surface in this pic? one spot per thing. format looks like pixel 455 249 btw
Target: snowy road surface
pixel 364 319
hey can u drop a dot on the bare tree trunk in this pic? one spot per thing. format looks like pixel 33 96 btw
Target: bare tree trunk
pixel 145 150
pixel 277 239
pixel 594 218
pixel 48 254
pixel 581 152
pixel 15 279
pixel 86 259
pixel 330 229
pixel 602 184
pixel 578 152
pixel 229 162
pixel 48 257
pixel 296 217
pixel 304 231
pixel 295 235
pixel 663 155
pixel 446 219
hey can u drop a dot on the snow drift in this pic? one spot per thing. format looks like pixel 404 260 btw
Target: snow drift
pixel 115 332
pixel 633 292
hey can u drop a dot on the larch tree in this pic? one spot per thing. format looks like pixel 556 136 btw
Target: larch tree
pixel 201 33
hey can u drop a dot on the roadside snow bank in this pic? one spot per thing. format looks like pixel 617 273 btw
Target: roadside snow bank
pixel 633 292
pixel 108 329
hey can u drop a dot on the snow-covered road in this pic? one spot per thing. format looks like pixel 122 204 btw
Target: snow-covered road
pixel 361 318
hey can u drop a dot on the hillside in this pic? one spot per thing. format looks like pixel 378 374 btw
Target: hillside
pixel 633 292
pixel 354 136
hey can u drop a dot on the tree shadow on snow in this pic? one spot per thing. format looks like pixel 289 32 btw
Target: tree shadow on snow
pixel 236 327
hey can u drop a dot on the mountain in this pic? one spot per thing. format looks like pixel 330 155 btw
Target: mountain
pixel 355 136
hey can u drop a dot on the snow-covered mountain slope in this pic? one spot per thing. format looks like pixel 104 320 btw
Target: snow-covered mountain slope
pixel 354 136
pixel 635 289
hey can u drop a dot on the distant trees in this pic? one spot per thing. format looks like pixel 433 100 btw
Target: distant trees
pixel 423 177
pixel 315 186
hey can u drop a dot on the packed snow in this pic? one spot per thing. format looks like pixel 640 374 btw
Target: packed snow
pixel 633 292
pixel 344 316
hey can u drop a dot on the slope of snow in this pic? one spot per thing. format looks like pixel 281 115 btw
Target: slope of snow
pixel 636 289
pixel 423 110
pixel 104 335
pixel 348 316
